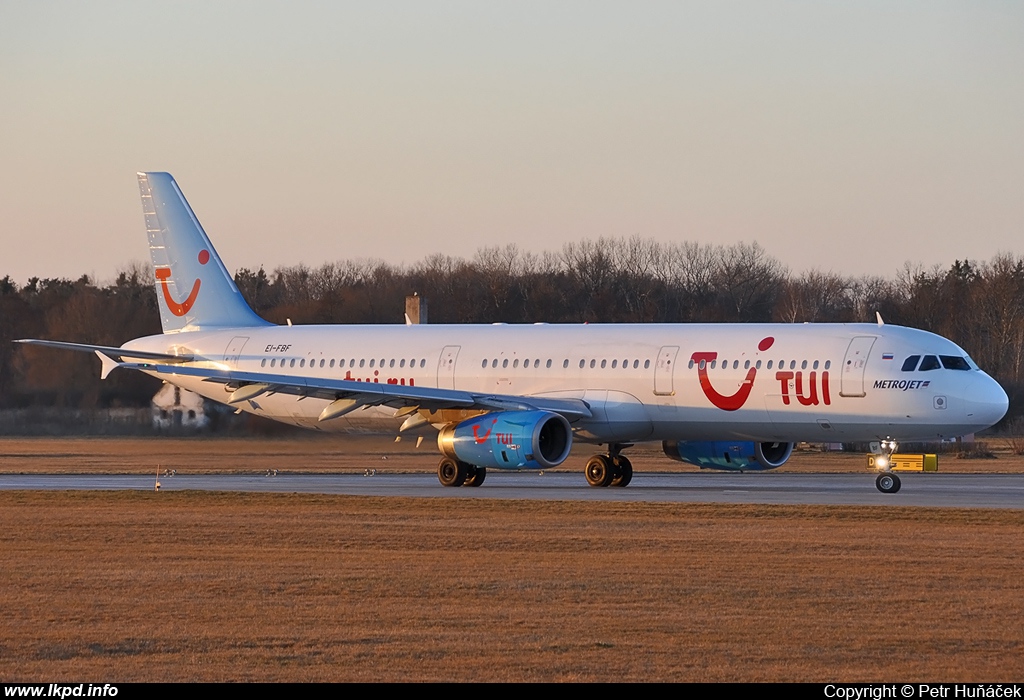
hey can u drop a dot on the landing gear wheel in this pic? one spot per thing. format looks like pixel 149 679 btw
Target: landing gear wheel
pixel 475 475
pixel 451 472
pixel 888 482
pixel 623 472
pixel 600 471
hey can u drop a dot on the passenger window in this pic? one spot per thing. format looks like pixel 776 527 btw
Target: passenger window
pixel 647 364
pixel 615 364
pixel 746 365
pixel 636 363
pixel 815 364
pixel 713 363
pixel 292 364
pixel 954 362
pixel 494 363
pixel 769 364
pixel 690 365
pixel 332 362
pixel 484 364
pixel 362 362
pixel 264 363
pixel 302 363
pixel 929 362
pixel 515 364
pixel 828 363
pixel 910 364
pixel 592 363
pixel 735 364
pixel 565 364
pixel 549 364
pixel 423 363
pixel 582 362
pixel 803 365
pixel 391 364
pixel 536 363
pixel 504 363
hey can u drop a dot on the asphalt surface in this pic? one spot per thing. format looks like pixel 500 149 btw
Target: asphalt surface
pixel 929 490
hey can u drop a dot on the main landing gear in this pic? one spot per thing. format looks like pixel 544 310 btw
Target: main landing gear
pixel 886 481
pixel 612 469
pixel 451 472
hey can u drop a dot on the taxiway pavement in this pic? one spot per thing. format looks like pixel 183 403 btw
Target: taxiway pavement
pixel 931 490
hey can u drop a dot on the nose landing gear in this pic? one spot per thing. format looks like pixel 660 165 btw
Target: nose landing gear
pixel 886 481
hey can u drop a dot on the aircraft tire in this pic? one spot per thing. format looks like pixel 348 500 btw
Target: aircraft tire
pixel 887 482
pixel 600 471
pixel 623 472
pixel 451 472
pixel 475 475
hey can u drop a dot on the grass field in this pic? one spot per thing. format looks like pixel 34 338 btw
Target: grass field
pixel 136 586
pixel 190 586
pixel 355 453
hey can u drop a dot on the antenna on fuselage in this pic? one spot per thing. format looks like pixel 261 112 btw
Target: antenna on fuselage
pixel 878 317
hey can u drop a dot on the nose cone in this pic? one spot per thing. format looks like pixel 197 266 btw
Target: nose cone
pixel 985 401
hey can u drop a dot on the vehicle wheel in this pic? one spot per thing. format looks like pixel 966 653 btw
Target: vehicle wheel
pixel 475 475
pixel 888 482
pixel 623 472
pixel 599 471
pixel 451 473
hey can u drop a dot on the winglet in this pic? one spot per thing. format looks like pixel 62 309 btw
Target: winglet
pixel 109 364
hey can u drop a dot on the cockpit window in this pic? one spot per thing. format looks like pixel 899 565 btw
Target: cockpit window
pixel 928 363
pixel 910 364
pixel 954 362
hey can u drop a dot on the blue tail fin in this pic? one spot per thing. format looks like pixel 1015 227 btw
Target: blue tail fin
pixel 193 288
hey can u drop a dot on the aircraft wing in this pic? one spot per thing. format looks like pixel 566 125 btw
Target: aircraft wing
pixel 347 395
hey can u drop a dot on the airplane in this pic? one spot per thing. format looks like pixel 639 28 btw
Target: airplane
pixel 516 397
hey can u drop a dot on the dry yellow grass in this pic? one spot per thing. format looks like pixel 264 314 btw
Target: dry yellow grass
pixel 198 586
pixel 354 453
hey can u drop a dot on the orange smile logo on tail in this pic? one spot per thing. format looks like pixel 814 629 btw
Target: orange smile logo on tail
pixel 182 308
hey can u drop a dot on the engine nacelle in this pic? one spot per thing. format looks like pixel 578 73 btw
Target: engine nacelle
pixel 745 456
pixel 509 440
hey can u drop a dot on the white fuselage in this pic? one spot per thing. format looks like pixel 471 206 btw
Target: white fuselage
pixel 823 383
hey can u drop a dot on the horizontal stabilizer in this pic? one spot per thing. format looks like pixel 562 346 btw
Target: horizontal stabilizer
pixel 113 353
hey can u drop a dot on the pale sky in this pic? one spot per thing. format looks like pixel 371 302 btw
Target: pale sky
pixel 840 136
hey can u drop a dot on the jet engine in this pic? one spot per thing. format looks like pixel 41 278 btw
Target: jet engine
pixel 508 440
pixel 745 456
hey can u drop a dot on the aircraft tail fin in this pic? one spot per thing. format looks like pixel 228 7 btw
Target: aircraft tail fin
pixel 194 290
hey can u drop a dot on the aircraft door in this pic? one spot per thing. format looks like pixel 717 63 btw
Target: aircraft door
pixel 854 365
pixel 664 370
pixel 446 366
pixel 234 349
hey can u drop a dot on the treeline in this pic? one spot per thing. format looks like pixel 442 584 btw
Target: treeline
pixel 979 305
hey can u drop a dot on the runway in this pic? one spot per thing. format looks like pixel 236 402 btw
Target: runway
pixel 920 490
